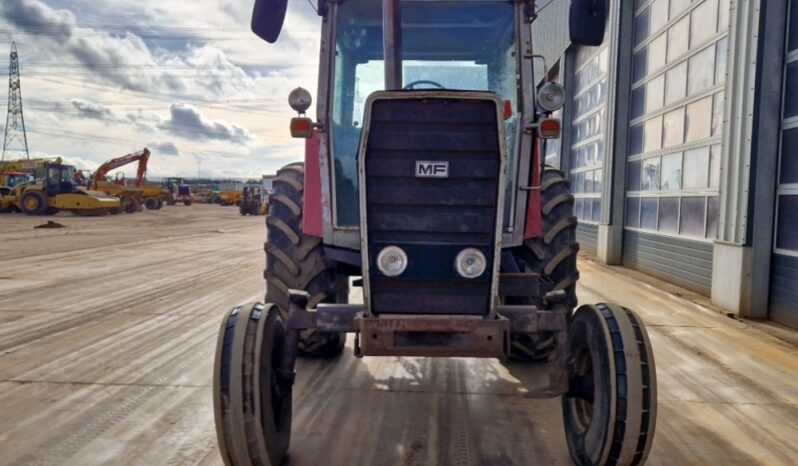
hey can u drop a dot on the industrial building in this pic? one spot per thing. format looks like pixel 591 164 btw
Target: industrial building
pixel 681 144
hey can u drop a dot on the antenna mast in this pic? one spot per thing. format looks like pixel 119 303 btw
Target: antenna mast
pixel 15 140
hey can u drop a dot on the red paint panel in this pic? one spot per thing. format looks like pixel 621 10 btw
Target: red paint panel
pixel 311 201
pixel 534 220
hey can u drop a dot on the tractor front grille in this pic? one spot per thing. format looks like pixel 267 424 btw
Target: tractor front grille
pixel 432 218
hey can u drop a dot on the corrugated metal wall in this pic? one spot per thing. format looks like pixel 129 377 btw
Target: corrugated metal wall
pixel 682 262
pixel 587 236
pixel 784 289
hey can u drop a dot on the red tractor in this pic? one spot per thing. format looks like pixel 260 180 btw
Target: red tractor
pixel 426 185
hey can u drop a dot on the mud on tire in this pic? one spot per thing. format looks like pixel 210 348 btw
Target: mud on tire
pixel 553 256
pixel 296 261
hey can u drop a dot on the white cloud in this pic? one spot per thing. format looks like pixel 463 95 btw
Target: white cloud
pixel 164 148
pixel 188 122
pixel 220 94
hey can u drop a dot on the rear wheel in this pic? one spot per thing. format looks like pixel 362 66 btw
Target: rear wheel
pixel 152 203
pixel 610 411
pixel 296 261
pixel 187 203
pixel 553 255
pixel 33 203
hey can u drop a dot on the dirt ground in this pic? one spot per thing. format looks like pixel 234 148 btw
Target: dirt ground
pixel 107 334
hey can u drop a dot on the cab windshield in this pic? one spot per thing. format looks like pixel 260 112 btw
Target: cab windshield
pixel 13 180
pixel 57 174
pixel 445 44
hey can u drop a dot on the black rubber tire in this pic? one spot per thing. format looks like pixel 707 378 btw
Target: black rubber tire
pixel 610 413
pixel 40 207
pixel 152 203
pixel 553 256
pixel 252 412
pixel 187 203
pixel 132 205
pixel 296 261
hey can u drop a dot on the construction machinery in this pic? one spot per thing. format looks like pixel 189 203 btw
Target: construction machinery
pixel 432 195
pixel 251 202
pixel 7 181
pixel 229 197
pixel 177 191
pixel 56 190
pixel 132 197
pixel 205 193
pixel 34 167
pixel 10 179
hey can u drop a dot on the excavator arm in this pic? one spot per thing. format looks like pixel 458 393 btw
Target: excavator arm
pixel 142 171
pixel 141 157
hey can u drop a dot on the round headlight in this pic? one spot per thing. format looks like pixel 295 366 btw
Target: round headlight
pixel 551 97
pixel 470 263
pixel 300 99
pixel 392 261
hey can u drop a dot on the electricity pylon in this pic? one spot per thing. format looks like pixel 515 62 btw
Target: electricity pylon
pixel 16 140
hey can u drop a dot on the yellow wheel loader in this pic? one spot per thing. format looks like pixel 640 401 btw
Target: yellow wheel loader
pixel 57 191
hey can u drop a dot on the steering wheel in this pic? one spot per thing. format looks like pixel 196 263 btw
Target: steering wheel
pixel 413 85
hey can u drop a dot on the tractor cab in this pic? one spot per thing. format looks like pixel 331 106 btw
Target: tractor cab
pixel 479 52
pixel 59 179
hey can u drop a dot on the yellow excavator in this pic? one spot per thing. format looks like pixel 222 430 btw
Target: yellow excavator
pixel 132 197
pixel 53 189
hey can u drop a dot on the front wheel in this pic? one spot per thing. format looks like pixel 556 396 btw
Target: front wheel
pixel 252 398
pixel 34 203
pixel 610 411
pixel 152 203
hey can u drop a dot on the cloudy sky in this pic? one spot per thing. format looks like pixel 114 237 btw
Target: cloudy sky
pixel 185 78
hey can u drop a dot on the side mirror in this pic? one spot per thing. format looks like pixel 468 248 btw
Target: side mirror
pixel 588 21
pixel 268 17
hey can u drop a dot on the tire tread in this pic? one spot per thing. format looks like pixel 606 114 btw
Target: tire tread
pixel 296 261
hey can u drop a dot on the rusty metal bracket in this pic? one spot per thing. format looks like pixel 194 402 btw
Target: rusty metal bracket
pixel 329 318
pixel 434 336
pixel 559 383
pixel 530 319
pixel 337 318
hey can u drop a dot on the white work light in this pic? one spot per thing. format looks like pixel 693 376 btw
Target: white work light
pixel 392 261
pixel 551 97
pixel 300 99
pixel 470 263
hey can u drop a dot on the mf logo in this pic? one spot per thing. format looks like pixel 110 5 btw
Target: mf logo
pixel 426 169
